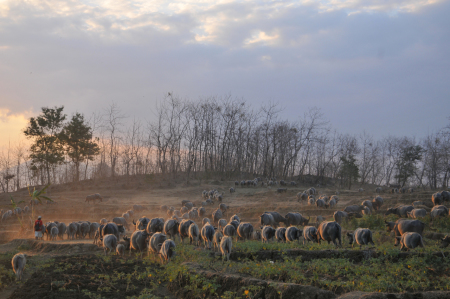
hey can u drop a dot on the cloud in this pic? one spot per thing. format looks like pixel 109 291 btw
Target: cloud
pixel 262 38
pixel 357 60
pixel 11 126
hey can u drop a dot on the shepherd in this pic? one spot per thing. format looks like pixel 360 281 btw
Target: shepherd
pixel 38 228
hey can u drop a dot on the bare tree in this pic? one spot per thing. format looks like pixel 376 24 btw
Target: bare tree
pixel 112 126
pixel 19 154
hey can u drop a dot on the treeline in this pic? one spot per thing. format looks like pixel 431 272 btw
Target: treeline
pixel 218 137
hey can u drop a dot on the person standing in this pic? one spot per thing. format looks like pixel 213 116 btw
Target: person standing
pixel 38 229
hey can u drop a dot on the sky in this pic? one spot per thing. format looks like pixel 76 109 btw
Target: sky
pixel 379 66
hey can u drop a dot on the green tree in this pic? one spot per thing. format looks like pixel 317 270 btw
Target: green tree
pixel 406 166
pixel 349 171
pixel 46 150
pixel 78 143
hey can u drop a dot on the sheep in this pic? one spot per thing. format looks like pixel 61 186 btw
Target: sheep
pixel 309 234
pixel 368 204
pixel 311 200
pixel 329 231
pixel 207 234
pixel 417 213
pixel 296 219
pixel 223 207
pixel 302 196
pixel 183 229
pixel 225 247
pixel 221 224
pixel 139 241
pixel 217 215
pixel 54 233
pixel 232 190
pixel 353 209
pixel 155 225
pixel 126 216
pixel 366 211
pixel 280 234
pixel 267 219
pixel 377 202
pixel 83 229
pixel 167 250
pixel 400 211
pixel 48 229
pixel 120 250
pixel 217 237
pixel 205 220
pixel 439 211
pixel 126 241
pixel 267 233
pixel 292 233
pixel 245 230
pixel 18 264
pixel 445 195
pixel 234 223
pixel 436 198
pixel 361 236
pixel 201 212
pixel 103 221
pixel 277 217
pixel 109 242
pixel 256 235
pixel 230 231
pixel 320 203
pixel 113 228
pixel 410 240
pixel 171 228
pixel 71 230
pixel 156 240
pixel 62 230
pixel 194 234
pixel 331 203
pixel 93 198
pixel 189 205
pixel 235 218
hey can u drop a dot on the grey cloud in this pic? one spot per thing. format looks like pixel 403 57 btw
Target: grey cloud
pixel 385 73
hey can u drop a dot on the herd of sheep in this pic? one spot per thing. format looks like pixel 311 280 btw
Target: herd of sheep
pixel 158 235
pixel 5 214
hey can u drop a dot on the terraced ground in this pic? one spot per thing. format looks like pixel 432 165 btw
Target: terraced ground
pixel 78 269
